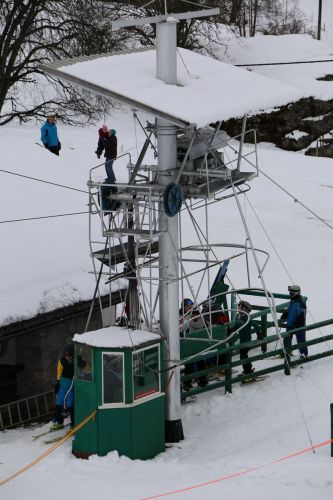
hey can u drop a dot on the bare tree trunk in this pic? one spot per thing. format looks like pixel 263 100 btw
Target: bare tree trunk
pixel 256 7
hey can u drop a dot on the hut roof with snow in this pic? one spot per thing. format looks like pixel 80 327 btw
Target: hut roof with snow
pixel 207 90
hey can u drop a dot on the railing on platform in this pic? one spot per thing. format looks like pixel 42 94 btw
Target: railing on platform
pixel 233 349
pixel 26 410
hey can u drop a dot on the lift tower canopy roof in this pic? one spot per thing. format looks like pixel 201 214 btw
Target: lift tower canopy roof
pixel 207 90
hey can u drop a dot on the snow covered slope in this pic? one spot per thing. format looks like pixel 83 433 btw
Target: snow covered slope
pixel 45 263
pixel 286 48
pixel 224 434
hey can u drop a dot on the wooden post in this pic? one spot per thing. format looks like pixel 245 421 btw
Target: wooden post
pixel 263 332
pixel 228 374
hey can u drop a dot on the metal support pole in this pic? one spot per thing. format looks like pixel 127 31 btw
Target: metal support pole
pixel 166 70
pixel 166 51
pixel 240 152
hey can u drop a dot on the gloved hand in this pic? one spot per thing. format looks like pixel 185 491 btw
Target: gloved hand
pixel 56 387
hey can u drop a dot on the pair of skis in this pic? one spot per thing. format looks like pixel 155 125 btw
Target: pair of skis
pixel 51 440
pixel 254 380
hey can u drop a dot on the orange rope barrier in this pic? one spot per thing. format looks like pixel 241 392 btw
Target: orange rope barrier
pixel 241 473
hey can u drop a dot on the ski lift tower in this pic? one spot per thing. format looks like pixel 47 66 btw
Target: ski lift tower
pixel 166 70
pixel 190 163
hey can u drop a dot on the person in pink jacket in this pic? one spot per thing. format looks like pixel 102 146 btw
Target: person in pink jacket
pixel 102 135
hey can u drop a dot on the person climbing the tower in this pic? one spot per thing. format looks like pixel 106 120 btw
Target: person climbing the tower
pixel 49 134
pixel 244 309
pixel 296 318
pixel 102 136
pixel 110 153
pixel 64 388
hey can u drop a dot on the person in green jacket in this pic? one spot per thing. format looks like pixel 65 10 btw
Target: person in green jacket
pixel 244 309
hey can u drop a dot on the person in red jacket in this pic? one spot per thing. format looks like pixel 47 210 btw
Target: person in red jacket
pixel 102 135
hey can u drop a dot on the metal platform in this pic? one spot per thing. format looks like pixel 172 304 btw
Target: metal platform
pixel 216 184
pixel 119 252
pixel 145 234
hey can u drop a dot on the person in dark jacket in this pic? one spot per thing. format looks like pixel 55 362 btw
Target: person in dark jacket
pixel 214 315
pixel 49 134
pixel 64 388
pixel 102 136
pixel 244 309
pixel 296 318
pixel 110 153
pixel 190 319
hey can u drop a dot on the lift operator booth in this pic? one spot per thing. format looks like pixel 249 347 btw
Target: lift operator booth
pixel 117 371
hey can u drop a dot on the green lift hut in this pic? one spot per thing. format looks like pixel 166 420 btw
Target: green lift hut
pixel 118 371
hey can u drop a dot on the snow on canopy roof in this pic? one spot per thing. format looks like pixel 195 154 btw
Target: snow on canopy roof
pixel 116 337
pixel 207 90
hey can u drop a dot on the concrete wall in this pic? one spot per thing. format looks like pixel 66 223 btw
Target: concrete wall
pixel 38 352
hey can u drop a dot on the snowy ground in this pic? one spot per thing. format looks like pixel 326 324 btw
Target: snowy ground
pixel 45 264
pixel 224 435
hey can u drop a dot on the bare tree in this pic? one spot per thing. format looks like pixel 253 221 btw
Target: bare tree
pixel 35 31
pixel 189 33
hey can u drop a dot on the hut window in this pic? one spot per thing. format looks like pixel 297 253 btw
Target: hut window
pixel 146 377
pixel 84 363
pixel 113 377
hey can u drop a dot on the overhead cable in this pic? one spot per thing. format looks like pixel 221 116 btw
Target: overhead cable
pixel 283 63
pixel 41 217
pixel 296 200
pixel 42 180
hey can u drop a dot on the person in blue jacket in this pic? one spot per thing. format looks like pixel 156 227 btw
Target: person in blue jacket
pixel 296 318
pixel 49 134
pixel 64 388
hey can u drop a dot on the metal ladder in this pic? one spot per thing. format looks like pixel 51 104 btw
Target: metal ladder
pixel 26 410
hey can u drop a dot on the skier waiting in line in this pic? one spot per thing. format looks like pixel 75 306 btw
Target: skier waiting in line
pixel 49 134
pixel 244 309
pixel 214 315
pixel 296 318
pixel 102 136
pixel 110 146
pixel 64 388
pixel 191 320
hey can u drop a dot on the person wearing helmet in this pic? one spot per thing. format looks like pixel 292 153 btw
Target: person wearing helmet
pixel 245 335
pixel 296 318
pixel 64 388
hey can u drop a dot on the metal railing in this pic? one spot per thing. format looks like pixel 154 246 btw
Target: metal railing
pixel 27 410
pixel 233 350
